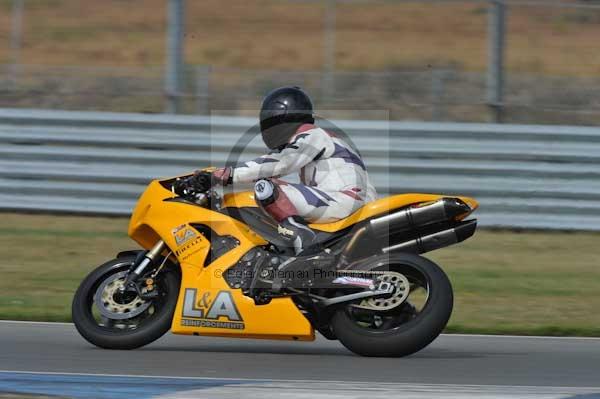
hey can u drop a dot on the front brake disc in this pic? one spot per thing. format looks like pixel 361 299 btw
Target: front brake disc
pixel 111 306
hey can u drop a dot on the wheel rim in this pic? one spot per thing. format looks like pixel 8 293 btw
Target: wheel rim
pixel 414 305
pixel 124 314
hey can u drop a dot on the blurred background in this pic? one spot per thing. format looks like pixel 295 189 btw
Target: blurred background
pixel 521 61
pixel 79 80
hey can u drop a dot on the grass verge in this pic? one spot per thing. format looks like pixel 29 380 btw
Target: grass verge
pixel 532 283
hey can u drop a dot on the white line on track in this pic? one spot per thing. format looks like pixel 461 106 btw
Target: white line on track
pixel 372 391
pixel 443 335
pixel 242 388
pixel 284 381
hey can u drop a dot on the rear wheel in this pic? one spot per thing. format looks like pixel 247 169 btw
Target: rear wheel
pixel 408 327
pixel 111 320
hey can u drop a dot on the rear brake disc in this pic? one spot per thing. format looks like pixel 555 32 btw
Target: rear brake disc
pixel 401 290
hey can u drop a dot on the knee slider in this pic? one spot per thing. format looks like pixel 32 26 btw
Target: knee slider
pixel 265 192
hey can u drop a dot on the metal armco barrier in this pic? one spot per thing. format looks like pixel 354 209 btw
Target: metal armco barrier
pixel 524 176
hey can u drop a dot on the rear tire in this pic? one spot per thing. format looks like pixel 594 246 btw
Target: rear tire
pixel 412 335
pixel 152 328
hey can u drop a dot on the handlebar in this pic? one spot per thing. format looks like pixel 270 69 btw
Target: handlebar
pixel 196 188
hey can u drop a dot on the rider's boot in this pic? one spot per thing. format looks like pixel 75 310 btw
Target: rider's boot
pixel 302 238
pixel 310 266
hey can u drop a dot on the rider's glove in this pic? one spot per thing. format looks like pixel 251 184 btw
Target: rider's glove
pixel 199 182
pixel 202 180
pixel 183 187
pixel 222 176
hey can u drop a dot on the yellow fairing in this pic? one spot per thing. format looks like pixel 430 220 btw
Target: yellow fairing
pixel 242 199
pixel 213 308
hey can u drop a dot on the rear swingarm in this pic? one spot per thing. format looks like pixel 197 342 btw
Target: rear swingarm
pixel 383 290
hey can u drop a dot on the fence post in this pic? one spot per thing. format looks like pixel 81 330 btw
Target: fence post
pixel 437 92
pixel 327 82
pixel 16 32
pixel 496 42
pixel 203 89
pixel 174 69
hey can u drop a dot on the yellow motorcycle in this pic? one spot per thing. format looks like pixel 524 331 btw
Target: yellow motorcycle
pixel 214 265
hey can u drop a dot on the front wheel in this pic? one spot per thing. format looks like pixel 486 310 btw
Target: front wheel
pixel 112 320
pixel 408 327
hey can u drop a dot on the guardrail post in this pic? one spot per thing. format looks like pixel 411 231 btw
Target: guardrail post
pixel 174 69
pixel 203 89
pixel 328 50
pixel 496 42
pixel 437 93
pixel 16 31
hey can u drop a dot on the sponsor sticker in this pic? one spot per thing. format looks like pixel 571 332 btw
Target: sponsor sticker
pixel 206 311
pixel 183 234
pixel 357 281
pixel 190 248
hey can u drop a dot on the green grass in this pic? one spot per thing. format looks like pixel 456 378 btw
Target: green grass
pixel 525 283
pixel 505 282
pixel 43 259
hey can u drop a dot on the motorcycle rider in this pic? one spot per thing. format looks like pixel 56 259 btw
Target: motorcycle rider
pixel 334 179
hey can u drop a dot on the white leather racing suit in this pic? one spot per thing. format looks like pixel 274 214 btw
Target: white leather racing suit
pixel 334 180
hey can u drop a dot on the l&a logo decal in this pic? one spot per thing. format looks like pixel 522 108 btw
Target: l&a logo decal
pixel 206 311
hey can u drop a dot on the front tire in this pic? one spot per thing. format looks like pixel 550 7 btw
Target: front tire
pixel 107 333
pixel 405 333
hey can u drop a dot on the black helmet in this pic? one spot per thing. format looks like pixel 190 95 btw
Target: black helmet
pixel 283 111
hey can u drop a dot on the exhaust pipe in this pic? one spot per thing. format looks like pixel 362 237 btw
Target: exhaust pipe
pixel 437 240
pixel 446 209
pixel 442 210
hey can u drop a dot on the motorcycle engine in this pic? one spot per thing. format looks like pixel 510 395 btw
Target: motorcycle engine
pixel 253 271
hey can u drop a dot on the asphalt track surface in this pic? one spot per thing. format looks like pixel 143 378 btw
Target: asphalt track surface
pixel 451 359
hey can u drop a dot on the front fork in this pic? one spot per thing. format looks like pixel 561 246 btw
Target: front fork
pixel 138 268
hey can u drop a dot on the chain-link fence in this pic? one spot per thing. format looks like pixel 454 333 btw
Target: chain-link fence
pixel 419 60
pixel 434 95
